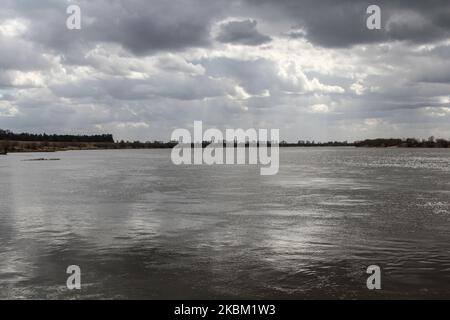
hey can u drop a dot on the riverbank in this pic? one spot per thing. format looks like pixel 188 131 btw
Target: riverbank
pixel 47 146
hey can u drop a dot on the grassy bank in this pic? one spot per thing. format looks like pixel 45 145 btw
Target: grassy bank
pixel 49 146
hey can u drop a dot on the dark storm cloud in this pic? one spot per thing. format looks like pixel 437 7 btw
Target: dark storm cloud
pixel 242 32
pixel 342 23
pixel 143 27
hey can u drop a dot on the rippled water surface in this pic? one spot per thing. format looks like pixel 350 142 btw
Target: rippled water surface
pixel 140 227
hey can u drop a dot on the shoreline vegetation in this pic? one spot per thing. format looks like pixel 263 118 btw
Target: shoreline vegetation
pixel 25 142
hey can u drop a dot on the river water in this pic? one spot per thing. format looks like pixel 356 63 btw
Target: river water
pixel 140 227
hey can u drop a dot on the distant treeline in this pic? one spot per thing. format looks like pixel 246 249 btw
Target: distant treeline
pixel 144 145
pixel 26 142
pixel 10 136
pixel 431 142
pixel 306 143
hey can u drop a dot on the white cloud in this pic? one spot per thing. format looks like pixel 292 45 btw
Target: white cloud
pixel 358 88
pixel 320 108
pixel 13 27
pixel 7 109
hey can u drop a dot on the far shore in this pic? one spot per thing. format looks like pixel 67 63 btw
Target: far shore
pixel 11 142
pixel 48 146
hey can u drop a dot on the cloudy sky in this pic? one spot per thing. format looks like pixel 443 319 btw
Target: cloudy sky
pixel 142 68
